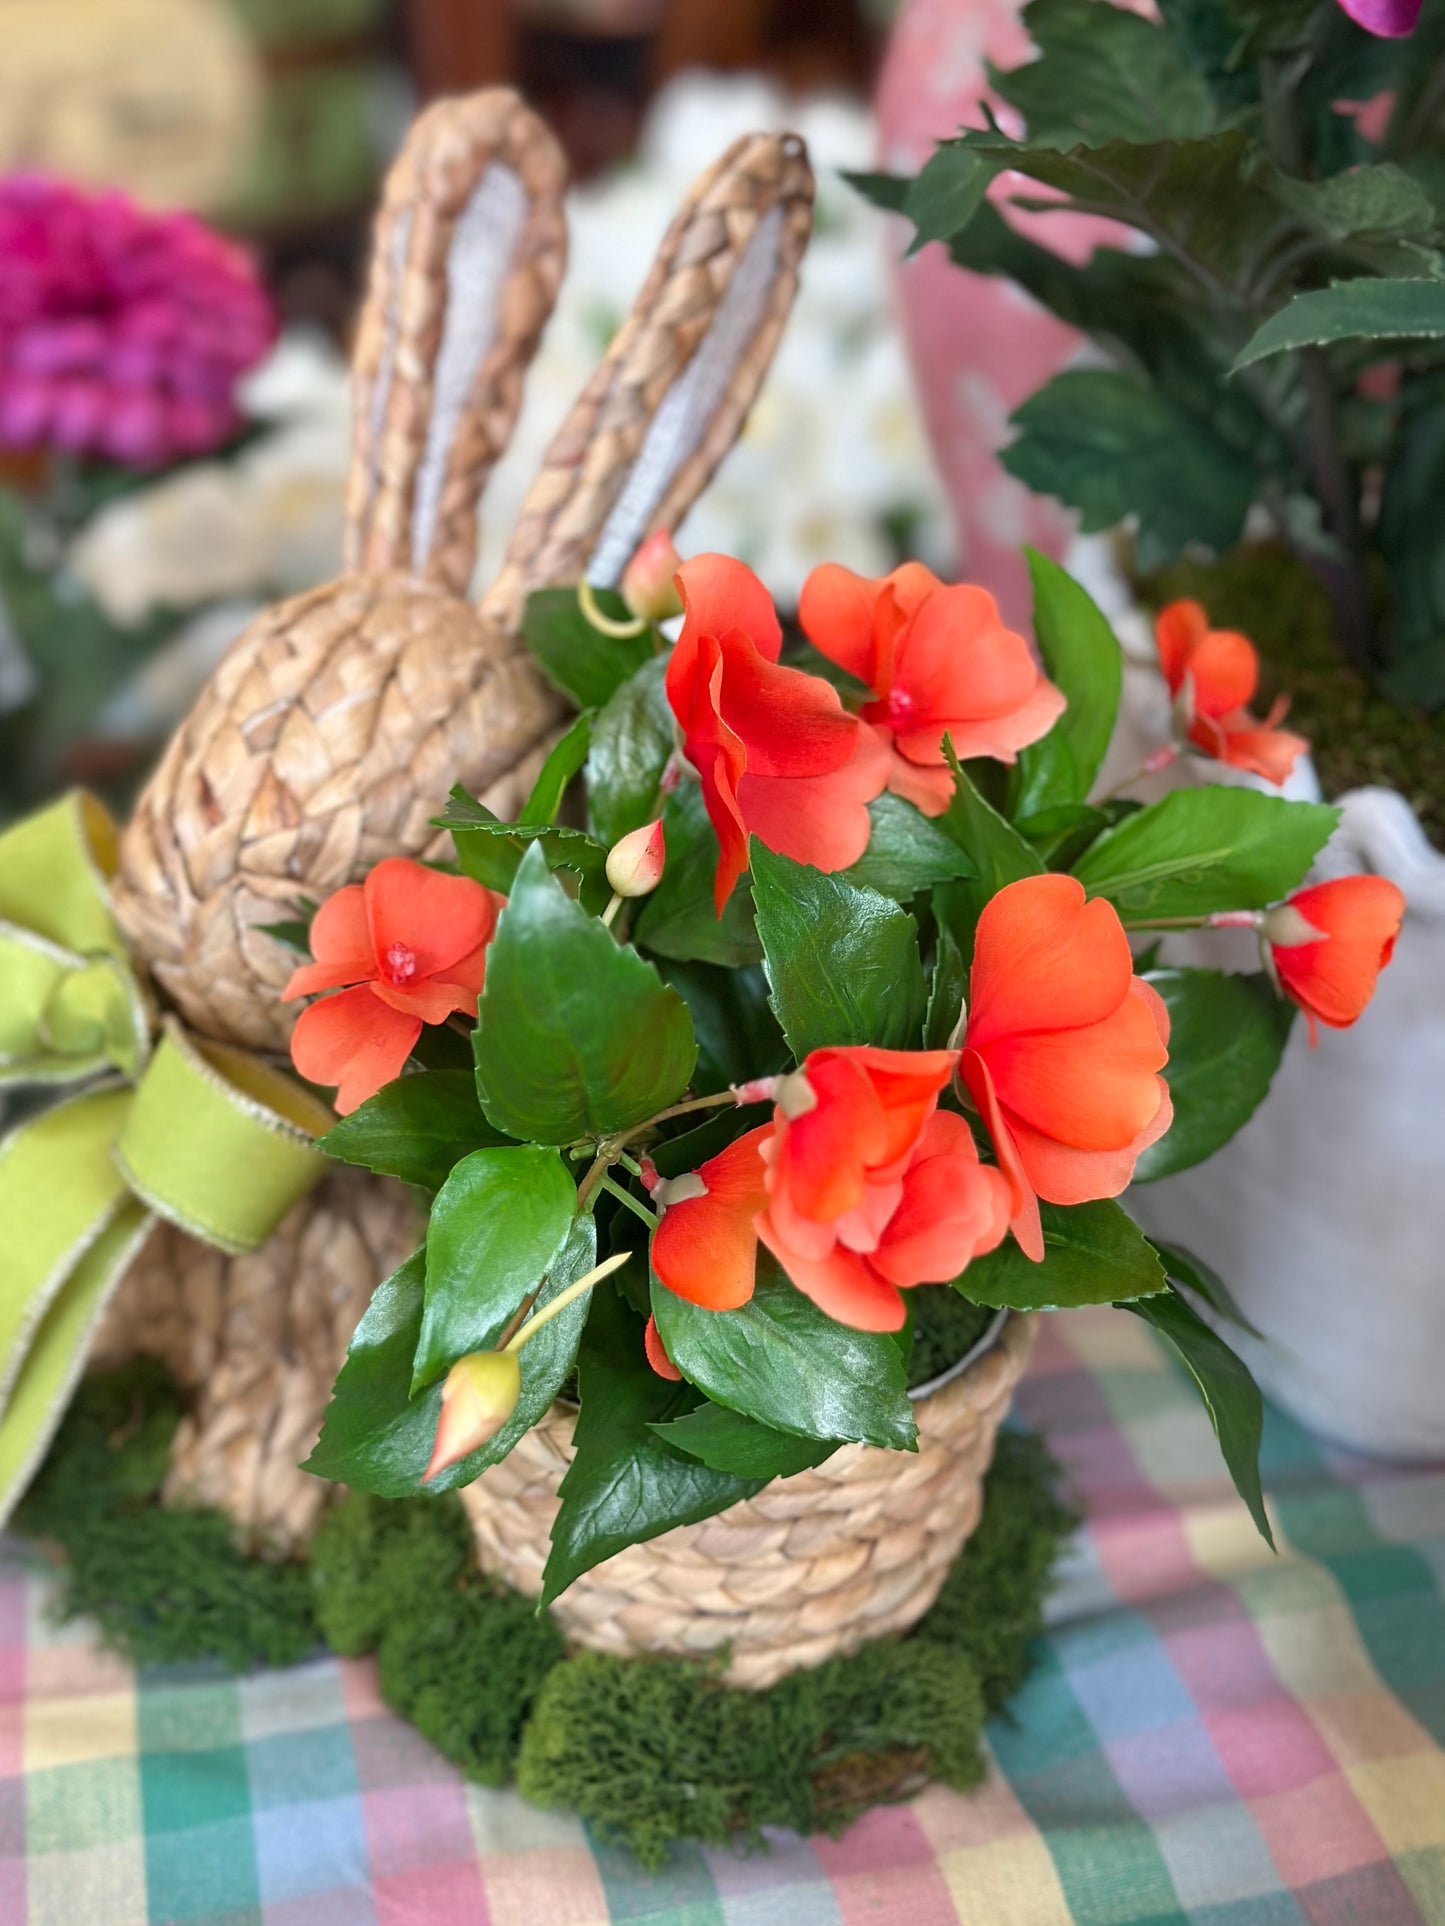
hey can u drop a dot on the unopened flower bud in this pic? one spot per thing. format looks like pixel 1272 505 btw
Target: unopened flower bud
pixel 478 1397
pixel 634 863
pixel 647 585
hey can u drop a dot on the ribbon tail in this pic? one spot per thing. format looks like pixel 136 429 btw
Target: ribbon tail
pixel 56 1355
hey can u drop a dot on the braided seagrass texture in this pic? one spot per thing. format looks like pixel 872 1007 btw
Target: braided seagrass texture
pixel 330 734
pixel 255 1341
pixel 815 1564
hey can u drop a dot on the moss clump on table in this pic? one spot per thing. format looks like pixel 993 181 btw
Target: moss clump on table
pixel 651 1750
pixel 1356 735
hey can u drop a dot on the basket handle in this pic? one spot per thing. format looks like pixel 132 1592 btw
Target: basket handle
pixel 467 256
pixel 670 397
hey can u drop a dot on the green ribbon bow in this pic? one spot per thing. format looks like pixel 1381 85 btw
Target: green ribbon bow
pixel 163 1124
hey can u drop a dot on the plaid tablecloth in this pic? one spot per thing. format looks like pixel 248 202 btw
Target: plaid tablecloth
pixel 1212 1736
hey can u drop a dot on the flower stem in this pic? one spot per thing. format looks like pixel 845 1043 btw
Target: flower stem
pixel 564 1298
pixel 606 624
pixel 614 1189
pixel 612 909
pixel 1156 760
pixel 1215 920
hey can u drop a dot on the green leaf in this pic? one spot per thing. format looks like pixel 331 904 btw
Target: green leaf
pixel 1063 833
pixel 490 851
pixel 375 1435
pixel 1103 73
pixel 888 191
pixel 997 851
pixel 1093 1254
pixel 1111 446
pixel 727 1441
pixel 781 1360
pixel 577 1036
pixel 946 993
pixel 1230 1394
pixel 625 1485
pixel 415 1128
pixel 497 1223
pixel 737 1034
pixel 1226 1037
pixel 584 664
pixel 632 738
pixel 946 194
pixel 1200 850
pixel 546 1359
pixel 907 852
pixel 1044 778
pixel 1083 658
pixel 1368 310
pixel 842 962
pixel 564 762
pixel 679 920
pixel 1184 1268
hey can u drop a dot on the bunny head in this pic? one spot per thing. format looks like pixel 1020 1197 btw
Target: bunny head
pixel 331 732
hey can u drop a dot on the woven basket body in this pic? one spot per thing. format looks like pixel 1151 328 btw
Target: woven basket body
pixel 815 1564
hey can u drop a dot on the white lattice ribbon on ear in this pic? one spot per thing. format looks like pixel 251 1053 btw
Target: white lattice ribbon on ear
pixel 687 409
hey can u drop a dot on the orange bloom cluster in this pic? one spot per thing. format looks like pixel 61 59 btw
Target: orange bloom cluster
pixel 860 1187
pixel 412 942
pixel 1212 675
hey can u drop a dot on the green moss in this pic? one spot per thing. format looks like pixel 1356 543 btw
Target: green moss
pixel 652 1751
pixel 991 1607
pixel 461 1658
pixel 945 1328
pixel 657 1750
pixel 164 1586
pixel 1356 734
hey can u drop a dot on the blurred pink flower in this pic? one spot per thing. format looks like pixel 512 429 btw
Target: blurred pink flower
pixel 122 332
pixel 1390 19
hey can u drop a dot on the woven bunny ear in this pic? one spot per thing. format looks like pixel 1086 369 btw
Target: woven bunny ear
pixel 468 253
pixel 669 399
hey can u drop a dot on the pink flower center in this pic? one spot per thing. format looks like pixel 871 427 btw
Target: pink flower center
pixel 399 964
pixel 900 706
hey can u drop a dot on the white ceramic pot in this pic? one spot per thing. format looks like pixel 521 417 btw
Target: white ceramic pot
pixel 1326 1214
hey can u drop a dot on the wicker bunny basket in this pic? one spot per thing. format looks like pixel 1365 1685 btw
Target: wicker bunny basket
pixel 328 738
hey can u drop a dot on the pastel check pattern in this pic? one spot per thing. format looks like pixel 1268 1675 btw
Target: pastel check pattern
pixel 1212 1737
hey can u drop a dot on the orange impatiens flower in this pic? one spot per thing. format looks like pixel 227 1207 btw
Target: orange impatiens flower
pixel 1063 1049
pixel 413 943
pixel 1329 943
pixel 939 661
pixel 860 1187
pixel 778 755
pixel 1212 675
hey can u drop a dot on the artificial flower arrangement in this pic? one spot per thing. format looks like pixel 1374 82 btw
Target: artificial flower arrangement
pixel 124 334
pixel 843 990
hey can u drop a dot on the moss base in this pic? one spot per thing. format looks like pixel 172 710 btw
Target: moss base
pixel 1356 735
pixel 650 1750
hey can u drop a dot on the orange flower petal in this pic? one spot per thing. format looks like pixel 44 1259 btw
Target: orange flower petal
pixel 722 596
pixel 928 785
pixel 1045 958
pixel 1063 1174
pixel 1025 1222
pixel 1178 631
pixel 820 820
pixel 1333 980
pixel 308 978
pixel 854 619
pixel 1095 1088
pixel 340 931
pixel 845 1285
pixel 353 1041
pixel 958 661
pixel 791 723
pixel 705 1248
pixel 1224 669
pixel 1271 753
pixel 953 1208
pixel 1000 737
pixel 438 918
pixel 657 1356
